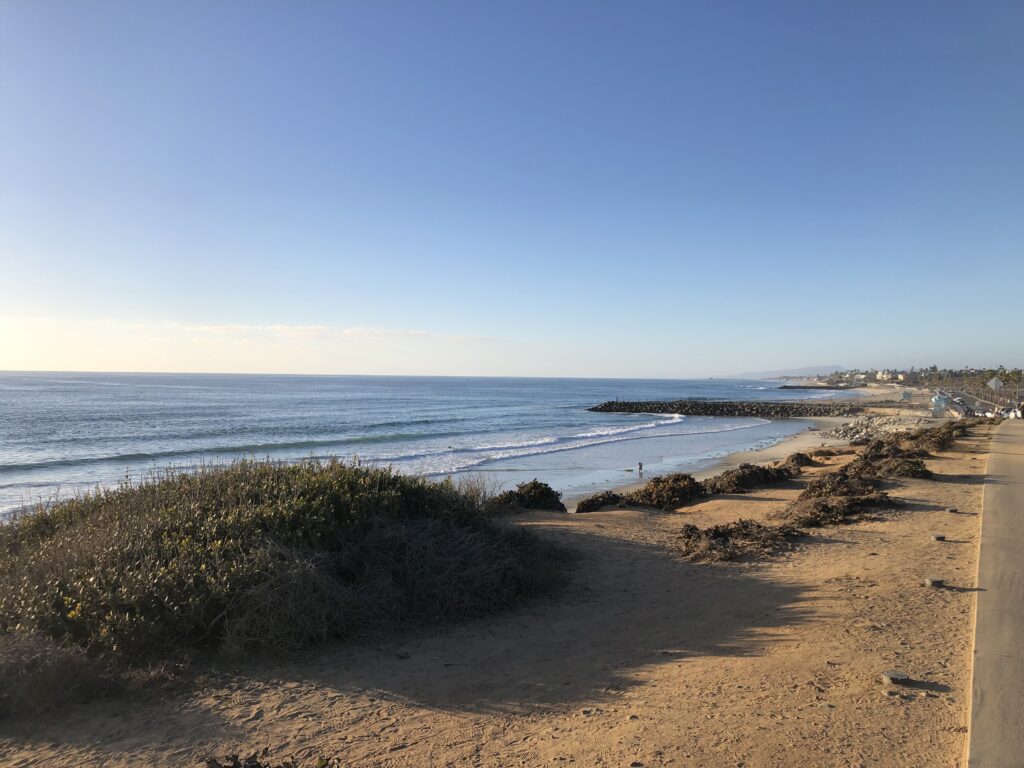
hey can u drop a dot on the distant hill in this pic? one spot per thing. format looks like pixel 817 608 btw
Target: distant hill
pixel 811 370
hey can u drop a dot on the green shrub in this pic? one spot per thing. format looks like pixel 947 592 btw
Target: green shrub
pixel 597 501
pixel 667 492
pixel 259 555
pixel 531 495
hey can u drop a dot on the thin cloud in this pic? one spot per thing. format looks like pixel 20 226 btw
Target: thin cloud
pixel 412 334
pixel 282 331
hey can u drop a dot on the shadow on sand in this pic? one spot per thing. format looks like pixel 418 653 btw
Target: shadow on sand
pixel 629 605
pixel 626 606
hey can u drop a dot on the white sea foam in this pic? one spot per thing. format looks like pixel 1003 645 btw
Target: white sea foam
pixel 455 460
pixel 603 431
pixel 514 444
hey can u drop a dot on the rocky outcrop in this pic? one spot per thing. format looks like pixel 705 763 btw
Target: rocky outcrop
pixel 760 409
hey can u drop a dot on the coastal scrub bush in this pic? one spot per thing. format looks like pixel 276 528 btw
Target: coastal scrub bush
pixel 597 501
pixel 667 492
pixel 748 476
pixel 259 555
pixel 730 541
pixel 531 495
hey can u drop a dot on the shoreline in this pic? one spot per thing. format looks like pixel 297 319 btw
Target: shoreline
pixel 805 440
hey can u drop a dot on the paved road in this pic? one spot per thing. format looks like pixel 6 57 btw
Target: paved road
pixel 997 707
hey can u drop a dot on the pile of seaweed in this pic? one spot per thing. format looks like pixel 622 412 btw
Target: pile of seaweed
pixel 838 497
pixel 747 476
pixel 732 541
pixel 853 490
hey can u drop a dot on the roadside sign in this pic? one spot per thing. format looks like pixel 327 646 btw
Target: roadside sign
pixel 995 384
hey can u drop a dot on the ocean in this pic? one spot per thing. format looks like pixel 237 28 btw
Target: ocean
pixel 65 433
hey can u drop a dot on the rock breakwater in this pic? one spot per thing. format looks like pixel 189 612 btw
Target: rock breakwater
pixel 758 409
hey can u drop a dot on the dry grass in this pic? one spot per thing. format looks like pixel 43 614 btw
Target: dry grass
pixel 38 674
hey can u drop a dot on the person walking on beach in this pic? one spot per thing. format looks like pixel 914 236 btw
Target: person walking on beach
pixel 640 468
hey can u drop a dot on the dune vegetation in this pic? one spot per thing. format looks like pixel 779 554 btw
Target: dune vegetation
pixel 530 495
pixel 255 556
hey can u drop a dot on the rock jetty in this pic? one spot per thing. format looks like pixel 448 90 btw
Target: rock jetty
pixel 760 409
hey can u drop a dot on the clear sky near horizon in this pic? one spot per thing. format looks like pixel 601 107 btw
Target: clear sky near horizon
pixel 577 188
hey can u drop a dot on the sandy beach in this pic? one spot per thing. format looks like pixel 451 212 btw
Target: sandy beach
pixel 644 659
pixel 809 438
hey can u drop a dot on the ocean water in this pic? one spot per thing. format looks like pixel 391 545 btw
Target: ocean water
pixel 62 433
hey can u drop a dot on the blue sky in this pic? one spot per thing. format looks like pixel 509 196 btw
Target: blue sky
pixel 511 188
